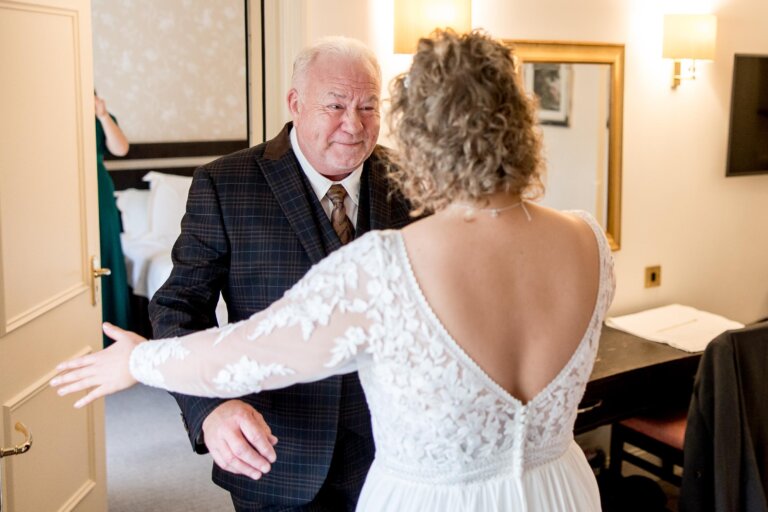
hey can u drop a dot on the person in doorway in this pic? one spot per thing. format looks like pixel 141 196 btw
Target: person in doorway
pixel 115 297
pixel 472 387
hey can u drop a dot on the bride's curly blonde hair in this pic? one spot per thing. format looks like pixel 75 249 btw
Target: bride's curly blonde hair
pixel 463 124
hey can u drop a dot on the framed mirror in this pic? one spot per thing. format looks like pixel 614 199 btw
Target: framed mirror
pixel 580 91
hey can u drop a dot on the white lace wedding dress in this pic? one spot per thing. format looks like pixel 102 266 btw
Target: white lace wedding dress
pixel 448 438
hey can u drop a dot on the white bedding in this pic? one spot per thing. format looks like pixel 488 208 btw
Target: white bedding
pixel 141 254
pixel 151 224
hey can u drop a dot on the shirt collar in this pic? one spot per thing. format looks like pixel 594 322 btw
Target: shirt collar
pixel 320 184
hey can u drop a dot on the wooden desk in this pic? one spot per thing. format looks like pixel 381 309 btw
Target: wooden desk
pixel 633 375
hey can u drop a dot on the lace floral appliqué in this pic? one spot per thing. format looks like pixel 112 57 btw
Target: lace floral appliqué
pixel 143 363
pixel 246 375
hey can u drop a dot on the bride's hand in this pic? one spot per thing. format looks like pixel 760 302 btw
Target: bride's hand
pixel 105 371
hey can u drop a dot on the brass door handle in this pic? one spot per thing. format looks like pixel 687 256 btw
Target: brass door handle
pixel 96 272
pixel 23 447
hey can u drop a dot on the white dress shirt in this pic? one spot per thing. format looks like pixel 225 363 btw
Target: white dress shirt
pixel 320 184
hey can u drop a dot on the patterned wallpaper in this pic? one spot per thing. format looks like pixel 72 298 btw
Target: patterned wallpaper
pixel 172 70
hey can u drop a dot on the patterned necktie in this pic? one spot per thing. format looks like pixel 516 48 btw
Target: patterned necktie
pixel 339 220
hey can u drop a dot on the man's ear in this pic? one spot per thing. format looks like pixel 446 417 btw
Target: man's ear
pixel 293 102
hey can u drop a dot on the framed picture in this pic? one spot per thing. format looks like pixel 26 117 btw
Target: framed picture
pixel 551 83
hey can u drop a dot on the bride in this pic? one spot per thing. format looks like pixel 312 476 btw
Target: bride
pixel 473 330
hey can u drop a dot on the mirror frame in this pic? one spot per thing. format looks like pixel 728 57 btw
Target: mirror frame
pixel 591 53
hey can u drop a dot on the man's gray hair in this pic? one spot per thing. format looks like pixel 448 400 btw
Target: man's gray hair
pixel 338 45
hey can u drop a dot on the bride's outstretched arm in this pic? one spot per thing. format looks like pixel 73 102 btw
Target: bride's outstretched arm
pixel 321 327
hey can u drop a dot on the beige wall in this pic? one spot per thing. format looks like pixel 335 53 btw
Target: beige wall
pixel 709 233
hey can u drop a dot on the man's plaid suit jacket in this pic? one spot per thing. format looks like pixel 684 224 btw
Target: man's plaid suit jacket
pixel 252 228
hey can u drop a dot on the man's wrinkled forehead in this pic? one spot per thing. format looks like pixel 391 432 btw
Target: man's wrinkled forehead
pixel 341 91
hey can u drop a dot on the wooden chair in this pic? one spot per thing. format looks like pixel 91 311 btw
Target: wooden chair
pixel 662 436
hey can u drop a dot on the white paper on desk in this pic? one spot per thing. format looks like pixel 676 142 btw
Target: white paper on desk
pixel 682 327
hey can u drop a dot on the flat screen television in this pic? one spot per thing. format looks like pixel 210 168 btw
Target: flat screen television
pixel 748 134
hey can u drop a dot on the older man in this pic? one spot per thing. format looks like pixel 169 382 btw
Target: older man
pixel 256 221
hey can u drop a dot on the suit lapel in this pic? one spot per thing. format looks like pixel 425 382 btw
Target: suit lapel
pixel 296 199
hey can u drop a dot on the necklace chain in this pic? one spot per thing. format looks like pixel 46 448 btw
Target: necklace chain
pixel 469 210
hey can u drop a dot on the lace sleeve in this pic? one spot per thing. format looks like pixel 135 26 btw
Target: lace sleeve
pixel 319 328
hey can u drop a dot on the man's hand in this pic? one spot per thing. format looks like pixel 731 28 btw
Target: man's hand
pixel 239 439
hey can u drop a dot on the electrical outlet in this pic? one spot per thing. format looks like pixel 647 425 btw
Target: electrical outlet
pixel 653 276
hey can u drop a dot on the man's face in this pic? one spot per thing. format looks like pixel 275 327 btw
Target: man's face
pixel 336 114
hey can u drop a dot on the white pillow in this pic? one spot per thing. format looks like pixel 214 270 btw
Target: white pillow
pixel 167 202
pixel 133 205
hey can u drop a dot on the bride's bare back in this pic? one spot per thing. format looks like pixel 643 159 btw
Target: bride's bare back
pixel 516 295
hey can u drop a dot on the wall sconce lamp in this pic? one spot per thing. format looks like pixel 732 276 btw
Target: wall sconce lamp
pixel 417 18
pixel 688 37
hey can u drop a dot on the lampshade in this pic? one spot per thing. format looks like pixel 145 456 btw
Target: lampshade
pixel 690 36
pixel 417 18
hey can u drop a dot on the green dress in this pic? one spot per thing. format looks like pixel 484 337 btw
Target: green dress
pixel 114 288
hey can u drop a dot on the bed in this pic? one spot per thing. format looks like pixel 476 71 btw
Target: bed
pixel 151 223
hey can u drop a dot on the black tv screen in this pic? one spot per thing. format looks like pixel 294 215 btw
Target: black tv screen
pixel 748 135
